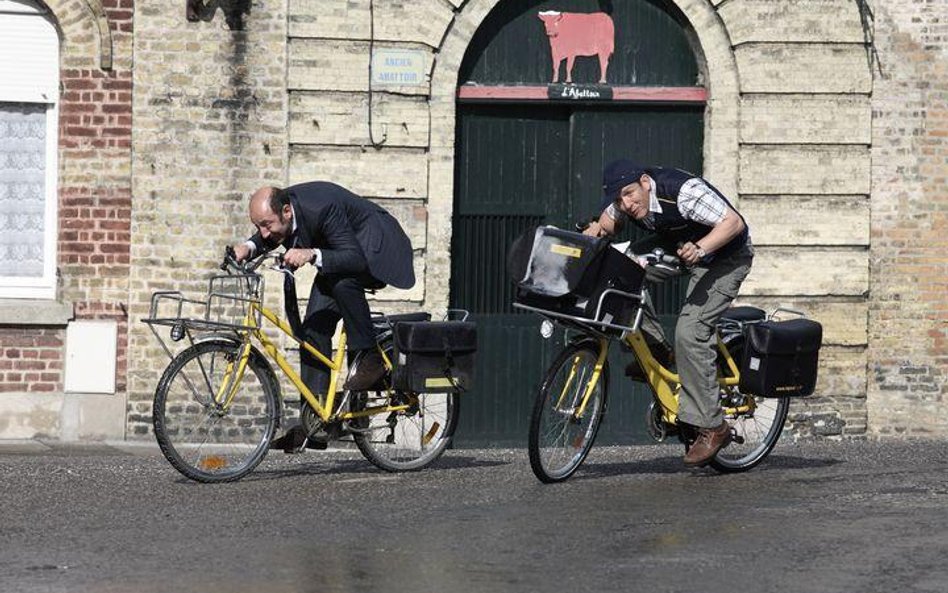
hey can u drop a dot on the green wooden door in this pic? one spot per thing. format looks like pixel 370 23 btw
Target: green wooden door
pixel 534 158
pixel 518 166
pixel 512 172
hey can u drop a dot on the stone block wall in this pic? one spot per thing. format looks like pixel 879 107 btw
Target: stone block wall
pixel 329 102
pixel 838 165
pixel 804 184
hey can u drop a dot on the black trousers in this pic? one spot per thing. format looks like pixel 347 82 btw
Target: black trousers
pixel 332 298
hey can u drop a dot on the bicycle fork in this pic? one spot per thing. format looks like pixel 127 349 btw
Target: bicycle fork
pixel 233 375
pixel 578 411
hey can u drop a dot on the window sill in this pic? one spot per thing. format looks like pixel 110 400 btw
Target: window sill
pixel 34 312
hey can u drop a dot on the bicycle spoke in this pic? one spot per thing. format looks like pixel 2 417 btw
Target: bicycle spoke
pixel 419 434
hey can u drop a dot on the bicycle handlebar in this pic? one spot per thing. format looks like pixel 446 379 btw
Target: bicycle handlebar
pixel 230 264
pixel 660 266
pixel 658 256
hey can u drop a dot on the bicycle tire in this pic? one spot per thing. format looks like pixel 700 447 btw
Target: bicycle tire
pixel 200 439
pixel 554 432
pixel 409 440
pixel 760 431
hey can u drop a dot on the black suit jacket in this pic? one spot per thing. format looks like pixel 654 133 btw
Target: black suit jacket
pixel 354 234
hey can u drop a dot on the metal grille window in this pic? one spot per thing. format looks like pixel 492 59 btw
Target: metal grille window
pixel 29 68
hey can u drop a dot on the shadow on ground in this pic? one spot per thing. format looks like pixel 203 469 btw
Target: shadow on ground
pixel 673 465
pixel 343 467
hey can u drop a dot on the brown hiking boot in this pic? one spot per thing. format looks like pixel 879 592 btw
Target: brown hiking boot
pixel 707 445
pixel 369 370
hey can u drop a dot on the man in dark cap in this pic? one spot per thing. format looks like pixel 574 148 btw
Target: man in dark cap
pixel 693 219
pixel 355 245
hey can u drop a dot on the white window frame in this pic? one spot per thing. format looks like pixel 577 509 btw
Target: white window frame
pixel 44 90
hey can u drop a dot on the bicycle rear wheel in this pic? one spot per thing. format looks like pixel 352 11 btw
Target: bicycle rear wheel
pixel 408 439
pixel 559 440
pixel 204 439
pixel 759 428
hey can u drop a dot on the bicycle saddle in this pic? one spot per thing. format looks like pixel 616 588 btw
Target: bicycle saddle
pixel 420 316
pixel 743 314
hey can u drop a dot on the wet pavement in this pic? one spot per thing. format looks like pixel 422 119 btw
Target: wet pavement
pixel 858 516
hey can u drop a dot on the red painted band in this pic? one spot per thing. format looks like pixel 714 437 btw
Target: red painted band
pixel 669 94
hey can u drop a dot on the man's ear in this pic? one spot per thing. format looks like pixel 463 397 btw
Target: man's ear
pixel 287 211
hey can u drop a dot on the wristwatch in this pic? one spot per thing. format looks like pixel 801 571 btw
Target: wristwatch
pixel 700 251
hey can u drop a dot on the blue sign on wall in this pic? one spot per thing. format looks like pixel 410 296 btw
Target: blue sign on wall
pixel 399 67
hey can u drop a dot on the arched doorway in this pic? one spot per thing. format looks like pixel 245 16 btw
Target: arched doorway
pixel 530 151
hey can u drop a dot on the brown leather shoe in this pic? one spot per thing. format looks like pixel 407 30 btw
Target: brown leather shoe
pixel 293 441
pixel 707 445
pixel 369 370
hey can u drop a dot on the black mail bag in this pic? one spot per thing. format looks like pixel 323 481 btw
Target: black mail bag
pixel 781 358
pixel 574 274
pixel 434 356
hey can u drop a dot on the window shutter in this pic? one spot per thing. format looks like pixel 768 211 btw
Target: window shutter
pixel 29 54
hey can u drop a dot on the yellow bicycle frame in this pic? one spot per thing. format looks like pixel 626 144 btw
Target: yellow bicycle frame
pixel 665 384
pixel 235 369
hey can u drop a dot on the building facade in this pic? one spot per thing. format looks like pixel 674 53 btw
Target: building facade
pixel 825 120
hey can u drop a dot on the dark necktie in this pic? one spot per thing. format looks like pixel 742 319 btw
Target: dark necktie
pixel 290 303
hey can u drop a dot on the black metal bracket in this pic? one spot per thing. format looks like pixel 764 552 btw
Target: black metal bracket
pixel 204 10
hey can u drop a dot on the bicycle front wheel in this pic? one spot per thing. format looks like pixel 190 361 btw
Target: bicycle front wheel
pixel 561 437
pixel 757 429
pixel 206 439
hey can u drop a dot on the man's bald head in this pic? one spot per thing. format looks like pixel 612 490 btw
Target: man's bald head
pixel 271 213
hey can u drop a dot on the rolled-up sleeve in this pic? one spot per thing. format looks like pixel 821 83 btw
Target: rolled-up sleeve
pixel 698 202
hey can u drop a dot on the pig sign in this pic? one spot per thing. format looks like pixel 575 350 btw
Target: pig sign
pixel 578 34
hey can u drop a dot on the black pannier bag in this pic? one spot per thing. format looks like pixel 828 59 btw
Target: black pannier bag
pixel 781 358
pixel 434 356
pixel 567 272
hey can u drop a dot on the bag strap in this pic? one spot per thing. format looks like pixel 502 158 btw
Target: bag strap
pixel 449 360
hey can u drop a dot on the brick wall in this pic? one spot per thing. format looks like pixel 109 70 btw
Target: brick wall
pixel 908 363
pixel 95 192
pixel 95 130
pixel 31 360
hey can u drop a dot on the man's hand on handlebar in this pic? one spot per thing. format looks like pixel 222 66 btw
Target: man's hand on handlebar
pixel 591 228
pixel 690 253
pixel 660 266
pixel 594 229
pixel 241 252
pixel 297 257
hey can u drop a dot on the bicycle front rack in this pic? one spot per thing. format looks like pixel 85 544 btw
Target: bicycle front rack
pixel 226 308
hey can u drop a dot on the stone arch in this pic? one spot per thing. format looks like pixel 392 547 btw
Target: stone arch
pixel 721 129
pixel 85 32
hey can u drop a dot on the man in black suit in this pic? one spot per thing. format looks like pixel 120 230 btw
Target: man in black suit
pixel 355 245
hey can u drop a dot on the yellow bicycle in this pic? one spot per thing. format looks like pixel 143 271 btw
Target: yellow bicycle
pixel 218 403
pixel 571 402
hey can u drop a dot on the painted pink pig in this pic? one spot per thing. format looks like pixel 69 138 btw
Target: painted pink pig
pixel 578 34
